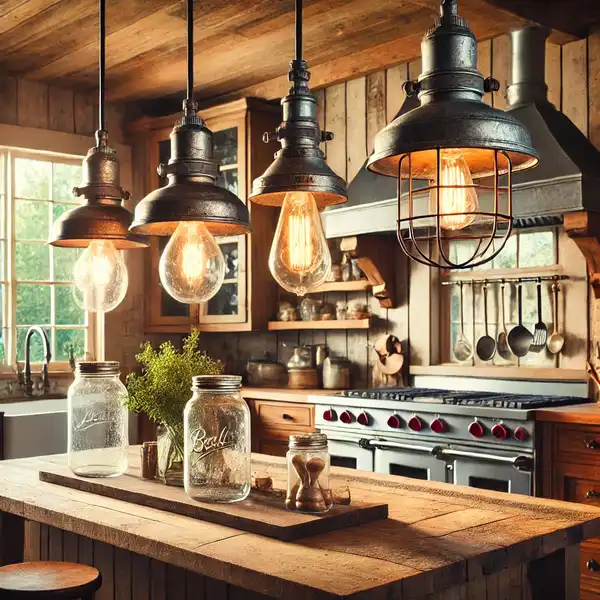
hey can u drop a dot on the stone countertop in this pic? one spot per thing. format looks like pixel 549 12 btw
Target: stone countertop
pixel 438 535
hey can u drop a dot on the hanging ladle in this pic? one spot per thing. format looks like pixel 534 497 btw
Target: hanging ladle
pixel 556 341
pixel 486 344
pixel 519 337
pixel 502 343
pixel 463 351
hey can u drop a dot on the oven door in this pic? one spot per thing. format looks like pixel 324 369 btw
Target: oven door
pixel 345 451
pixel 412 460
pixel 500 471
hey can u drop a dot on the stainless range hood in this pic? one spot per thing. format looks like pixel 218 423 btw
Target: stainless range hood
pixel 567 178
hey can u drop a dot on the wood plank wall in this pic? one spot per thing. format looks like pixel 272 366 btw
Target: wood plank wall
pixel 37 104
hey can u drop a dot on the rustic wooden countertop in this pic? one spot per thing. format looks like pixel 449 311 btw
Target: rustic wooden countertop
pixel 437 536
pixel 582 414
pixel 283 394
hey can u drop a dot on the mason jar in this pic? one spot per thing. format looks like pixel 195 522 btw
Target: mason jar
pixel 97 421
pixel 308 465
pixel 216 420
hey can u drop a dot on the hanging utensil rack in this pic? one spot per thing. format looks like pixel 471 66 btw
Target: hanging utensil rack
pixel 501 280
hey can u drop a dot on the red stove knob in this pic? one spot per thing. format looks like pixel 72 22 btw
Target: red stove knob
pixel 415 423
pixel 438 426
pixel 329 415
pixel 476 429
pixel 346 417
pixel 394 422
pixel 363 419
pixel 499 432
pixel 521 434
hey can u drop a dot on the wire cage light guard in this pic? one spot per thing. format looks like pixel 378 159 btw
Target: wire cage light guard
pixel 422 236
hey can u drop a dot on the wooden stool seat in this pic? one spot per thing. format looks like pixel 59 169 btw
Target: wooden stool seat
pixel 48 581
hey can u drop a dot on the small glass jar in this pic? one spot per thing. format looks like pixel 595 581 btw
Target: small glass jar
pixel 308 474
pixel 216 420
pixel 97 421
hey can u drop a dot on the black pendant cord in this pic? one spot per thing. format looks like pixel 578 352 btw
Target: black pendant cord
pixel 102 74
pixel 190 49
pixel 298 30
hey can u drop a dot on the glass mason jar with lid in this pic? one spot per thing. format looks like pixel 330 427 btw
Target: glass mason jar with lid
pixel 97 421
pixel 216 421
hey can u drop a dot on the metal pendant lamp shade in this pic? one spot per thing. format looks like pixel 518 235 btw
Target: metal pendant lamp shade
pixel 299 165
pixel 454 155
pixel 102 215
pixel 191 193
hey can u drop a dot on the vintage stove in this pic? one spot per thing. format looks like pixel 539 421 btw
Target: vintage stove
pixel 479 439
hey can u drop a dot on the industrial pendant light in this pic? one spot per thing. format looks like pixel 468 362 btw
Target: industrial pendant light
pixel 101 223
pixel 465 150
pixel 191 208
pixel 300 181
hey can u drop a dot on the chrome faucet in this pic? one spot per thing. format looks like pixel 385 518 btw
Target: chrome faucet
pixel 47 358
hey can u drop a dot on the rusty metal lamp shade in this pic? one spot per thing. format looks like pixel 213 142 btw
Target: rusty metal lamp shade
pixel 102 215
pixel 191 193
pixel 452 153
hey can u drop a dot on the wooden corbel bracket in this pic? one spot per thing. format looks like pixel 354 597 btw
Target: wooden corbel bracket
pixel 584 229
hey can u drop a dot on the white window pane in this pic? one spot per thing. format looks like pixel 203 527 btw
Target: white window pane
pixel 67 339
pixel 32 220
pixel 64 262
pixel 32 178
pixel 65 178
pixel 33 304
pixel 536 249
pixel 32 261
pixel 67 311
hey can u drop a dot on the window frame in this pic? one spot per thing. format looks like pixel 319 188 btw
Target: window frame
pixel 93 323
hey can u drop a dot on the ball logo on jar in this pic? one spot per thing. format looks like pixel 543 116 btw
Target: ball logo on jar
pixel 93 416
pixel 204 445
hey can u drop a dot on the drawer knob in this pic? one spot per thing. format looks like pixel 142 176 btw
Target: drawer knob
pixel 592 565
pixel 287 417
pixel 592 444
pixel 592 494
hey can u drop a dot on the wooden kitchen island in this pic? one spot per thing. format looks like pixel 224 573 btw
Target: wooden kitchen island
pixel 440 542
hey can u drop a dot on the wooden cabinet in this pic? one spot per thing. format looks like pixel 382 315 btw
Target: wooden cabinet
pixel 273 423
pixel 569 469
pixel 248 296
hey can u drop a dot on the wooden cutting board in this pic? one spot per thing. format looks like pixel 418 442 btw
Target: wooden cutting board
pixel 259 513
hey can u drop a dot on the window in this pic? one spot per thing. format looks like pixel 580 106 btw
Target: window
pixel 527 253
pixel 36 278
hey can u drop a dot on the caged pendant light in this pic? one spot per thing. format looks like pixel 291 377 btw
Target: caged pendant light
pixel 300 181
pixel 453 155
pixel 101 223
pixel 191 208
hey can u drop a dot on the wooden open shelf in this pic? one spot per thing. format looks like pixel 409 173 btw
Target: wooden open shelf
pixel 332 324
pixel 361 285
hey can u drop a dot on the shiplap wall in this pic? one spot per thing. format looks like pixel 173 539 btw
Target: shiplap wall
pixel 354 111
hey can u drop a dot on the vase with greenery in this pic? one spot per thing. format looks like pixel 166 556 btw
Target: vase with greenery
pixel 162 391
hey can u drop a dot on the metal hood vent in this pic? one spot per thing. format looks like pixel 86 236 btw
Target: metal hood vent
pixel 567 178
pixel 372 206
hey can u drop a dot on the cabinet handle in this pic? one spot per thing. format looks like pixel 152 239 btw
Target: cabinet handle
pixel 592 565
pixel 592 494
pixel 287 417
pixel 592 444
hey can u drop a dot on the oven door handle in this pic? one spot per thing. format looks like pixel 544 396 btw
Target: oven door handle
pixel 388 445
pixel 520 462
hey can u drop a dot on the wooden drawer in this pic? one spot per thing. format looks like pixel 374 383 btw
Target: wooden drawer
pixel 590 568
pixel 582 441
pixel 284 414
pixel 576 483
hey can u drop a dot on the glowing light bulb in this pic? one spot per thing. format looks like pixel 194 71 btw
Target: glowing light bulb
pixel 300 259
pixel 192 267
pixel 100 277
pixel 457 201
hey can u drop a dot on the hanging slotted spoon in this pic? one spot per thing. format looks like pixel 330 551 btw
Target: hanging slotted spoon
pixel 463 351
pixel 556 341
pixel 502 343
pixel 519 337
pixel 540 333
pixel 486 344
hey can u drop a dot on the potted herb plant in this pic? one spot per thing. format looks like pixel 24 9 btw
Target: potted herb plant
pixel 162 391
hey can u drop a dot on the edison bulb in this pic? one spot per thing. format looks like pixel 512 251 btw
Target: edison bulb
pixel 300 259
pixel 458 199
pixel 192 267
pixel 100 277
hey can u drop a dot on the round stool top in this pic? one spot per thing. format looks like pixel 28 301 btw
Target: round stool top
pixel 49 580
